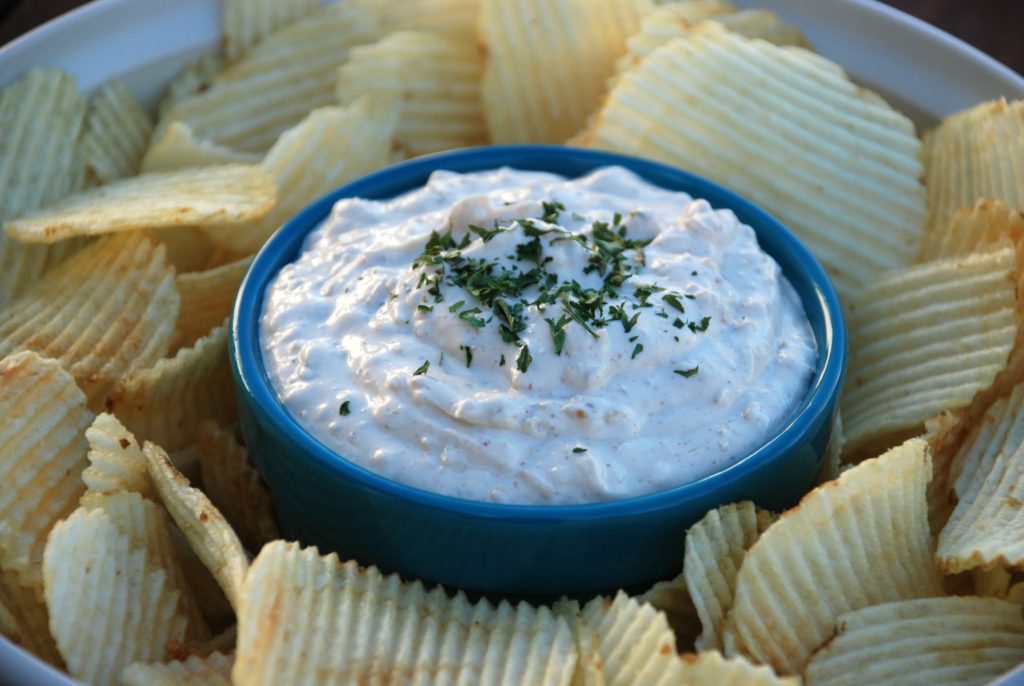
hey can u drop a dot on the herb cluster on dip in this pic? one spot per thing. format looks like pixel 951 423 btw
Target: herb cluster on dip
pixel 137 542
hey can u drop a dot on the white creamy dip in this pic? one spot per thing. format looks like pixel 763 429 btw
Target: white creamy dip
pixel 700 348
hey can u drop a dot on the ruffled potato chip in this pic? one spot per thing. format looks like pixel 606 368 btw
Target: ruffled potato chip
pixel 247 22
pixel 922 643
pixel 103 313
pixel 382 629
pixel 207 298
pixel 673 598
pixel 195 77
pixel 42 457
pixel 834 162
pixel 973 229
pixel 212 670
pixel 41 116
pixel 167 402
pixel 116 462
pixel 926 339
pixel 209 534
pixel 213 196
pixel 975 154
pixel 24 619
pixel 712 668
pixel 117 131
pixel 634 643
pixel 113 596
pixel 330 146
pixel 715 548
pixel 276 83
pixel 235 487
pixel 454 18
pixel 178 148
pixel 548 62
pixel 434 81
pixel 986 527
pixel 860 540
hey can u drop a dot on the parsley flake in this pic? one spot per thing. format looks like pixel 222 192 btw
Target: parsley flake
pixel 344 409
pixel 524 359
pixel 687 373
pixel 579 449
pixel 422 369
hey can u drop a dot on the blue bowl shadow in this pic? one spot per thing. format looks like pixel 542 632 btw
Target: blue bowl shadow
pixel 327 501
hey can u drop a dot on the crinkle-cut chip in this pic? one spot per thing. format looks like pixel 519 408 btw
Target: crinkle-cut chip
pixel 178 148
pixel 212 670
pixel 213 196
pixel 209 534
pixel 973 228
pixel 994 582
pixel 589 669
pixel 116 462
pixel 330 146
pixel 673 598
pixel 24 620
pixel 167 402
pixel 41 116
pixel 715 549
pixel 547 63
pixel 454 18
pixel 712 668
pixel 103 313
pixel 986 527
pixel 276 83
pixel 112 597
pixel 434 81
pixel 763 25
pixel 206 299
pixel 205 590
pixel 235 487
pixel 42 456
pixel 922 642
pixel 925 339
pixel 860 540
pixel 831 463
pixel 974 154
pixel 247 22
pixel 944 434
pixel 382 630
pixel 787 129
pixel 188 248
pixel 117 131
pixel 195 77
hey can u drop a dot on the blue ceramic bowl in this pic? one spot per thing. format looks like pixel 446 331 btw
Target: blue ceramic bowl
pixel 324 500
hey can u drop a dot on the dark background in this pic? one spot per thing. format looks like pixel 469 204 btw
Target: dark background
pixel 994 26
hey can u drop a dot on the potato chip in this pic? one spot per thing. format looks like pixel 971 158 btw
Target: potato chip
pixel 24 620
pixel 673 598
pixel 712 668
pixel 167 402
pixel 924 642
pixel 987 526
pixel 212 670
pixel 715 548
pixel 116 462
pixel 860 540
pixel 926 339
pixel 329 147
pixel 108 310
pixel 974 154
pixel 972 229
pixel 112 599
pixel 944 434
pixel 195 77
pixel 178 148
pixel 207 297
pixel 435 82
pixel 547 63
pixel 589 669
pixel 209 534
pixel 275 84
pixel 306 619
pixel 994 582
pixel 835 163
pixel 117 132
pixel 247 22
pixel 210 599
pixel 41 116
pixel 235 487
pixel 188 248
pixel 42 456
pixel 454 18
pixel 225 194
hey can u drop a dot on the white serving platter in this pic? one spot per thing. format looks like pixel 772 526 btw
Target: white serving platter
pixel 918 68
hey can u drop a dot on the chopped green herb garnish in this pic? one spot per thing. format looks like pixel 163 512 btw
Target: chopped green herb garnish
pixel 703 326
pixel 687 372
pixel 425 308
pixel 579 449
pixel 678 323
pixel 637 349
pixel 456 306
pixel 524 359
pixel 344 409
pixel 551 211
pixel 616 219
pixel 422 369
pixel 558 331
pixel 501 361
pixel 469 354
pixel 673 300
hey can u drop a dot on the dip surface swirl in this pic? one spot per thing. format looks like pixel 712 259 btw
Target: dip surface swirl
pixel 516 337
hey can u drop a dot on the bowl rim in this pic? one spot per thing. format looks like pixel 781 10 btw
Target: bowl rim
pixel 282 248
